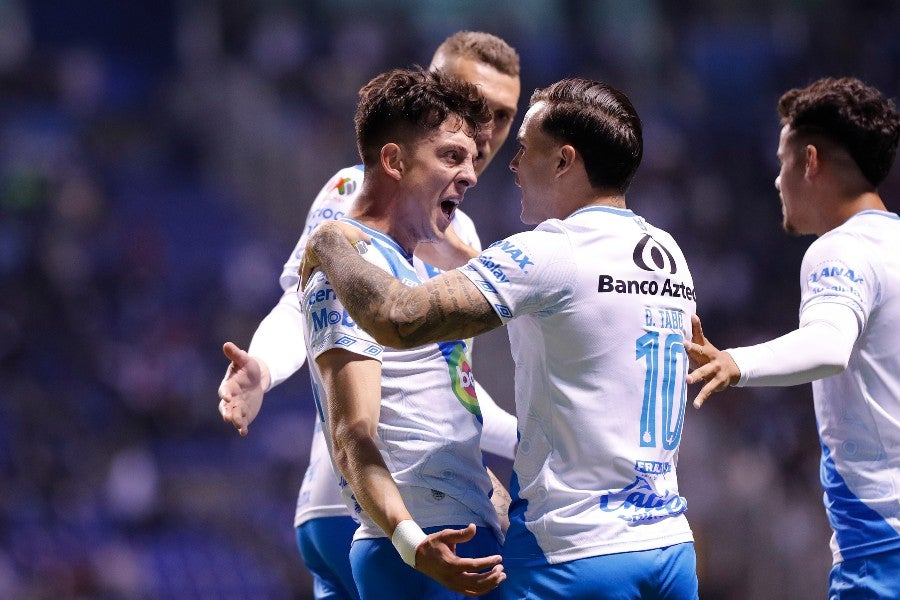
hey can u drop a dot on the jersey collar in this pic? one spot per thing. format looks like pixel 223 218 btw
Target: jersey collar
pixel 380 236
pixel 622 212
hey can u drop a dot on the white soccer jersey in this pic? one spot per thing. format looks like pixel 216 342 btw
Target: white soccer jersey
pixel 430 426
pixel 858 411
pixel 598 307
pixel 319 494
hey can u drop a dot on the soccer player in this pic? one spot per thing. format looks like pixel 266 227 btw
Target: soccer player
pixel 838 142
pixel 277 350
pixel 598 304
pixel 404 426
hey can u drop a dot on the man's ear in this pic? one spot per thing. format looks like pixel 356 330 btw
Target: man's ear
pixel 392 160
pixel 566 156
pixel 813 161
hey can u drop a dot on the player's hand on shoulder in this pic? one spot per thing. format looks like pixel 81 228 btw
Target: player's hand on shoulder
pixel 436 557
pixel 324 238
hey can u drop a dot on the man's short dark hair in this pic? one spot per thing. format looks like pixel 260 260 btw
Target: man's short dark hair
pixel 484 48
pixel 402 105
pixel 600 122
pixel 851 114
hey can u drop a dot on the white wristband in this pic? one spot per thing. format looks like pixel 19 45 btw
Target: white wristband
pixel 407 537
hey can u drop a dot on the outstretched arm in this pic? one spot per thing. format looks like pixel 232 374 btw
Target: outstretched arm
pixel 352 386
pixel 276 352
pixel 447 307
pixel 820 347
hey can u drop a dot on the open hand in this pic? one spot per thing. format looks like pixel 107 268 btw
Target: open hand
pixel 714 366
pixel 241 391
pixel 436 557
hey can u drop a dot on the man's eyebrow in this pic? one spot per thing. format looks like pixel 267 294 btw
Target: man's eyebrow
pixel 452 145
pixel 446 146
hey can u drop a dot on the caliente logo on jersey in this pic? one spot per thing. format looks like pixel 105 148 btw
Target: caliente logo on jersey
pixel 641 501
pixel 462 381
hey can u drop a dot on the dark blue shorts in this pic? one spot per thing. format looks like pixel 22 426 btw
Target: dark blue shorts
pixel 324 544
pixel 380 573
pixel 668 573
pixel 875 577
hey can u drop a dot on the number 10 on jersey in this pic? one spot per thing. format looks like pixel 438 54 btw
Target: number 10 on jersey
pixel 670 358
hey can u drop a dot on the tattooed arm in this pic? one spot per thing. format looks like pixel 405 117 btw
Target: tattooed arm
pixel 501 500
pixel 447 307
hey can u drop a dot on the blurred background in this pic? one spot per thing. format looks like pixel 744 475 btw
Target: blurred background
pixel 157 160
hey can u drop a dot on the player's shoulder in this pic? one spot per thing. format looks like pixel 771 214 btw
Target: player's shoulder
pixel 347 175
pixel 665 237
pixel 525 249
pixel 544 238
pixel 353 173
pixel 382 250
pixel 332 202
pixel 843 247
pixel 341 188
pixel 867 225
pixel 851 237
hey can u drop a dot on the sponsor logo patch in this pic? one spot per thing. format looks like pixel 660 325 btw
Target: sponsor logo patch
pixel 503 311
pixel 515 253
pixel 641 501
pixel 650 255
pixel 344 186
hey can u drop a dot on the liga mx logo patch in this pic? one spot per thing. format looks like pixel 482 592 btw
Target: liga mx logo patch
pixel 344 186
pixel 650 255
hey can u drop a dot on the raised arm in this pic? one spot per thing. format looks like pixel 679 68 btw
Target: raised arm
pixel 352 385
pixel 277 349
pixel 447 307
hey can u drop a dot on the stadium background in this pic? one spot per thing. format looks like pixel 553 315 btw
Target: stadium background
pixel 156 163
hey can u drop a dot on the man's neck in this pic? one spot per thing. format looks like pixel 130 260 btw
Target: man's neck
pixel 610 200
pixel 846 208
pixel 376 208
